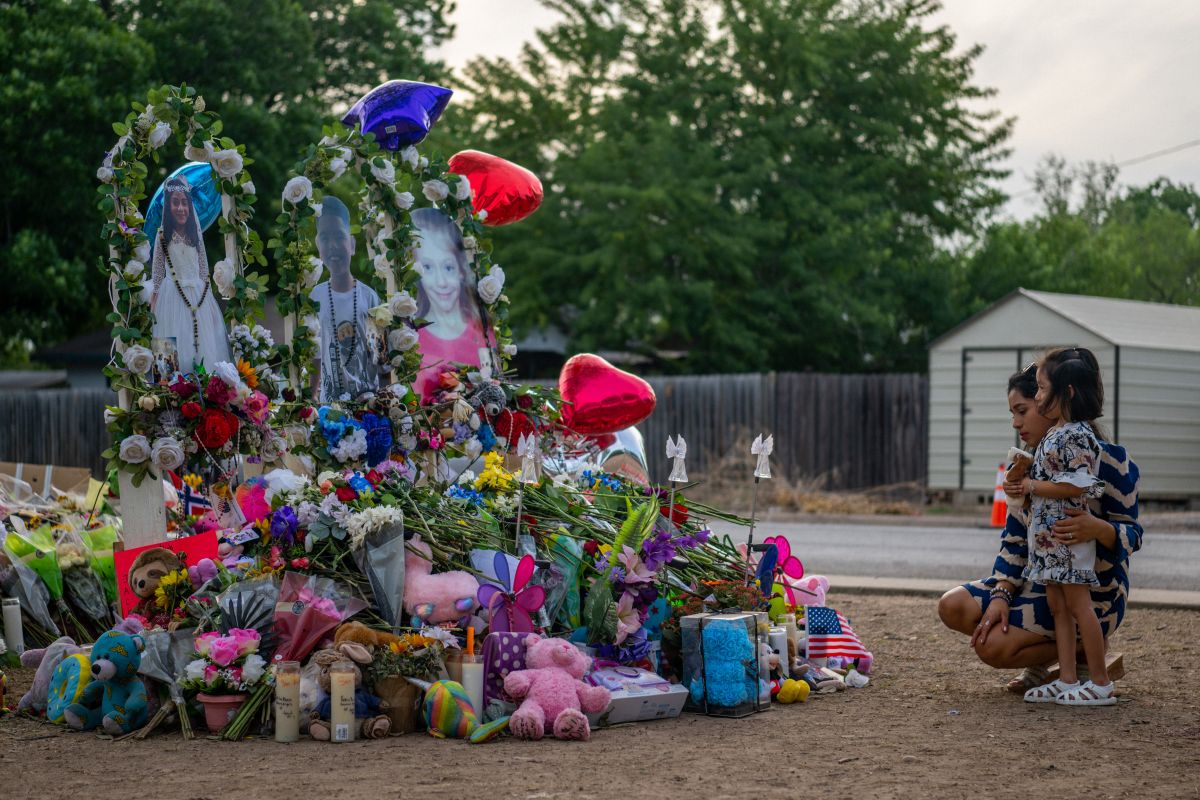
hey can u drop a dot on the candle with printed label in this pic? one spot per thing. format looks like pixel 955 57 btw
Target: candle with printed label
pixel 287 701
pixel 341 701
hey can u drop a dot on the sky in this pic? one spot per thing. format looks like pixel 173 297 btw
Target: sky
pixel 1102 80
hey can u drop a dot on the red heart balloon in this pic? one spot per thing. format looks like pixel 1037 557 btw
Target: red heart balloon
pixel 506 191
pixel 600 398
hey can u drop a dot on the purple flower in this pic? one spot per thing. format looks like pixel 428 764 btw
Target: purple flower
pixel 283 526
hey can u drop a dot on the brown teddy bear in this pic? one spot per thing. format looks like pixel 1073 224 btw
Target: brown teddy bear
pixel 357 633
pixel 368 709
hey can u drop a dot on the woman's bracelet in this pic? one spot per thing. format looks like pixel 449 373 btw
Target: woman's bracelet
pixel 999 590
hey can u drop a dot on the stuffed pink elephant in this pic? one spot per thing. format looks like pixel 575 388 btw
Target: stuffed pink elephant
pixel 553 697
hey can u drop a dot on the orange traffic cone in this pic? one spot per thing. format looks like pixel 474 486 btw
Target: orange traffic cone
pixel 999 501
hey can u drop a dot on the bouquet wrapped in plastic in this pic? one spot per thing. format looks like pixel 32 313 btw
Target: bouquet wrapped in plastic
pixel 309 609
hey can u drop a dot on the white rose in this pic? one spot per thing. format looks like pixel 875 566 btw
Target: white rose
pixel 253 669
pixel 167 454
pixel 337 166
pixel 423 163
pixel 134 449
pixel 491 285
pixel 147 402
pixel 251 293
pixel 380 315
pixel 198 103
pixel 194 671
pixel 404 200
pixel 143 252
pixel 403 339
pixel 193 153
pixel 105 174
pixel 248 188
pixel 227 163
pixel 381 265
pixel 383 170
pixel 224 275
pixel 134 270
pixel 435 190
pixel 510 350
pixel 403 305
pixel 469 244
pixel 398 363
pixel 160 134
pixel 138 359
pixel 409 156
pixel 297 189
pixel 273 448
pixel 316 268
pixel 110 416
pixel 462 191
pixel 317 208
pixel 481 214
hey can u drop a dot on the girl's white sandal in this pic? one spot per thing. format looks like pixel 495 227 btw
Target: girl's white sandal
pixel 1050 692
pixel 1088 694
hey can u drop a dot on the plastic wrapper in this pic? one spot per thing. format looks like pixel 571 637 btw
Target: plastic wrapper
pixel 36 550
pixel 165 656
pixel 381 559
pixel 20 581
pixel 308 610
pixel 81 586
pixel 100 543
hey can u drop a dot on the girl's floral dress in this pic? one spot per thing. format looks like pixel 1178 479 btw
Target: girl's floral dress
pixel 1070 454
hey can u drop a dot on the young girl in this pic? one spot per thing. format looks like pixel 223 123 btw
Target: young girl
pixel 1071 395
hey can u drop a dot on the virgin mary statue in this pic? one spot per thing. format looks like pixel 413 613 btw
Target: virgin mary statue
pixel 184 307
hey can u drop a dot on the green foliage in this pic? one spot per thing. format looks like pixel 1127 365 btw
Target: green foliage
pixel 762 183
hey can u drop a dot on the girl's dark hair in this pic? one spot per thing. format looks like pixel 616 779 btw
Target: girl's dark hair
pixel 1074 368
pixel 1024 381
pixel 191 231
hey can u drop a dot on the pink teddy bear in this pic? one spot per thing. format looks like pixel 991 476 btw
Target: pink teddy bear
pixel 553 698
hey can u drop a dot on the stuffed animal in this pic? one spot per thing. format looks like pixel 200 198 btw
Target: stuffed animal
pixel 144 574
pixel 356 632
pixel 554 698
pixel 115 698
pixel 449 714
pixel 367 707
pixel 793 691
pixel 727 679
pixel 811 589
pixel 46 660
pixel 434 599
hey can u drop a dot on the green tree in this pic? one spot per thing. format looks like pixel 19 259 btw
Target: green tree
pixel 68 73
pixel 760 183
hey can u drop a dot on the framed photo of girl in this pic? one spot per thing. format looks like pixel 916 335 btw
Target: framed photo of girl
pixel 457 330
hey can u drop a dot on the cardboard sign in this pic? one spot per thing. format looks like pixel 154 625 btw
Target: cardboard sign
pixel 150 561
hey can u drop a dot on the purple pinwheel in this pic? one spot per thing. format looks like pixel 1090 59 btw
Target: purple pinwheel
pixel 511 606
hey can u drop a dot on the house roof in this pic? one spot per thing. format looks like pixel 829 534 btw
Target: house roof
pixel 1127 323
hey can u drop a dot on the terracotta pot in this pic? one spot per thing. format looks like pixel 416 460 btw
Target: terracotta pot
pixel 220 709
pixel 404 701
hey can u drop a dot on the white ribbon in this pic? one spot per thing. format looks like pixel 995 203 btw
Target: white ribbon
pixel 762 448
pixel 677 449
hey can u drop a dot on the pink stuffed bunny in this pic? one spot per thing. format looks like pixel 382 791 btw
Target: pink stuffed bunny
pixel 434 599
pixel 553 698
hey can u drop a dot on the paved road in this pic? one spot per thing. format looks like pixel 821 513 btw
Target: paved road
pixel 1166 560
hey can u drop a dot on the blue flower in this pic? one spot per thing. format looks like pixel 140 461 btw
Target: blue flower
pixel 360 484
pixel 487 437
pixel 471 496
pixel 379 438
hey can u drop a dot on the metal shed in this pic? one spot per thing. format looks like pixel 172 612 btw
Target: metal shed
pixel 1149 355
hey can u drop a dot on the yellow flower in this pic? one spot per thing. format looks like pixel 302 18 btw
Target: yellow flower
pixel 248 374
pixel 495 476
pixel 193 480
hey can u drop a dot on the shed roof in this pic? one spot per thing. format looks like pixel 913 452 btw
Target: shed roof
pixel 1128 323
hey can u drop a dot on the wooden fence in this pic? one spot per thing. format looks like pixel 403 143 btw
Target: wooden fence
pixel 850 431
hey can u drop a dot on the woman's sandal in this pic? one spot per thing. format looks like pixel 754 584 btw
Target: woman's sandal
pixel 1050 692
pixel 1029 678
pixel 1088 694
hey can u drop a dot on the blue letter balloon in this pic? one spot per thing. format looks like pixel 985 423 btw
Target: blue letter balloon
pixel 206 197
pixel 399 113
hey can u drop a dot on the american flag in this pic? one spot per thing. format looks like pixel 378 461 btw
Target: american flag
pixel 830 634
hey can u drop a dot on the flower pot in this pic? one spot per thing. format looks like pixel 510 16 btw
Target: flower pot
pixel 404 700
pixel 220 709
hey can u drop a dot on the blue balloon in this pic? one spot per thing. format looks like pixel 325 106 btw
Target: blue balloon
pixel 206 197
pixel 399 113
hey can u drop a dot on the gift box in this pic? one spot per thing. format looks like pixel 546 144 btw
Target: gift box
pixel 638 695
pixel 725 663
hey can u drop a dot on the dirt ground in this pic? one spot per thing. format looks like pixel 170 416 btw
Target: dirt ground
pixel 933 723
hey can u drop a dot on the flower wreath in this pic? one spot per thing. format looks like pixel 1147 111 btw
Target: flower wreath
pixel 177 112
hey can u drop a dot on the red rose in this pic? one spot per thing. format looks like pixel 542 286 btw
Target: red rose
pixel 216 427
pixel 374 477
pixel 191 410
pixel 183 389
pixel 219 392
pixel 591 547
pixel 679 517
pixel 307 412
pixel 346 494
pixel 525 402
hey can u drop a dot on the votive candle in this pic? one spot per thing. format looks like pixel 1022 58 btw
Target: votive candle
pixel 287 701
pixel 14 631
pixel 341 701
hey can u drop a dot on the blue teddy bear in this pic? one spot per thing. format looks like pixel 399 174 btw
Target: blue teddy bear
pixel 115 698
pixel 726 680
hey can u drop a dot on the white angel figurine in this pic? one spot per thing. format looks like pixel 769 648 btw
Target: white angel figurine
pixel 531 458
pixel 677 449
pixel 762 448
